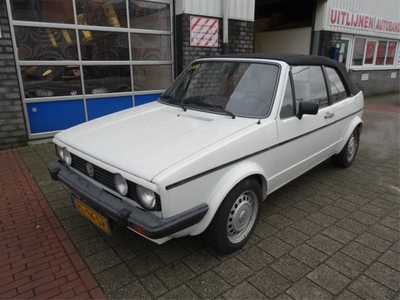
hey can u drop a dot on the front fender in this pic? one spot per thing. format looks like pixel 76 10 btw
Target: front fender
pixel 357 121
pixel 225 184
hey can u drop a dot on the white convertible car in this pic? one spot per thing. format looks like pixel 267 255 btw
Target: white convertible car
pixel 229 131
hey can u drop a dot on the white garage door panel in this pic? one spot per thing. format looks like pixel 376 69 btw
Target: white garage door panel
pixel 288 41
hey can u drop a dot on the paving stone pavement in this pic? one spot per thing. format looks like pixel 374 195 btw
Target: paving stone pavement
pixel 330 234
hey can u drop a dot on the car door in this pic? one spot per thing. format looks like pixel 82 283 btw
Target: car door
pixel 306 141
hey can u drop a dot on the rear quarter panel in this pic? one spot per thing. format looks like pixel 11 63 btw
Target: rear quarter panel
pixel 348 115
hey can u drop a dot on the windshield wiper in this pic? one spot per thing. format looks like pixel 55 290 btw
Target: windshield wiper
pixel 217 107
pixel 173 100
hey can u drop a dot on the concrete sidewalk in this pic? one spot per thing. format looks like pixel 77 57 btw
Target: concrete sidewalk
pixel 331 234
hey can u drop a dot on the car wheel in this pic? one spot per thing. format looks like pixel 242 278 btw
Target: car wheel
pixel 236 217
pixel 346 157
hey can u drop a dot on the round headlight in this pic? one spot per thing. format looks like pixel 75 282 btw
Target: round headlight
pixel 67 156
pixel 120 184
pixel 59 152
pixel 147 197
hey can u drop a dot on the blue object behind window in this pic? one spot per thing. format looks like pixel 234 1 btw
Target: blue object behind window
pixel 142 99
pixel 104 106
pixel 53 116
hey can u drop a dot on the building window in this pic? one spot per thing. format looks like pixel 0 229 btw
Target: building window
pixel 381 53
pixel 370 52
pixel 391 51
pixel 98 55
pixel 358 53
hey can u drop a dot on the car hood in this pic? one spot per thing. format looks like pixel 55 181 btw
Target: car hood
pixel 148 139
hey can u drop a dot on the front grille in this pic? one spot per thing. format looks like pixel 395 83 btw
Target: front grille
pixel 100 175
pixel 107 179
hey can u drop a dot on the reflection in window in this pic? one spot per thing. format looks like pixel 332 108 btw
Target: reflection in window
pixel 309 85
pixel 391 53
pixel 149 15
pixel 287 104
pixel 104 45
pixel 152 77
pixel 54 11
pixel 380 53
pixel 45 43
pixel 338 91
pixel 101 13
pixel 151 47
pixel 358 53
pixel 369 52
pixel 49 81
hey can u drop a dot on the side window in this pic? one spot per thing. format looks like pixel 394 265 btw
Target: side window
pixel 287 104
pixel 337 88
pixel 309 85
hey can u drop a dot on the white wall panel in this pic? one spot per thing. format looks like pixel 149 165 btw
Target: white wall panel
pixel 237 9
pixel 296 40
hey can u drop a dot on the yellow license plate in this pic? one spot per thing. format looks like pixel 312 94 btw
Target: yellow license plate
pixel 93 216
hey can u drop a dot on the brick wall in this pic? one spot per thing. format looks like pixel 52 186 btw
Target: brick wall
pixel 327 39
pixel 240 40
pixel 12 123
pixel 379 81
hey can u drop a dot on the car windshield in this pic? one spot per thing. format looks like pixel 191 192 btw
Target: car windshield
pixel 234 88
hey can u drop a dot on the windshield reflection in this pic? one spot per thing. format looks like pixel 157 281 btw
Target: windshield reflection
pixel 232 88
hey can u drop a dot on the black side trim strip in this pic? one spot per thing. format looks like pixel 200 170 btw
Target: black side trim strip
pixel 186 180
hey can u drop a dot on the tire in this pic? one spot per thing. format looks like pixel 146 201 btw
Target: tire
pixel 236 217
pixel 346 157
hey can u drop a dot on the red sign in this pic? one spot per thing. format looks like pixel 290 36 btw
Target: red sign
pixel 203 32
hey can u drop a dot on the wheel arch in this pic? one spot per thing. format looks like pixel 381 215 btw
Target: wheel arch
pixel 356 123
pixel 226 183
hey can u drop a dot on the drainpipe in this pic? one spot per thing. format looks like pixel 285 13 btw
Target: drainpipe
pixel 224 4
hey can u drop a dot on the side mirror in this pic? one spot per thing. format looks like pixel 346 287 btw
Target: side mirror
pixel 307 108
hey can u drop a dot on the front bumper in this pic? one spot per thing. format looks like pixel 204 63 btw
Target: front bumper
pixel 120 212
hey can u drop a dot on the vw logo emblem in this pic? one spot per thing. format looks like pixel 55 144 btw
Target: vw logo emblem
pixel 90 169
pixel 73 92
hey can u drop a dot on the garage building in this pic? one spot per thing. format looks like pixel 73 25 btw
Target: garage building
pixel 65 62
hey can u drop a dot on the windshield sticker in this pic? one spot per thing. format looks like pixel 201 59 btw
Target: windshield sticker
pixel 194 67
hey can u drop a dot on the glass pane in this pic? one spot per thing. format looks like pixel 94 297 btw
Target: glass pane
pixel 101 13
pixel 380 53
pixel 369 53
pixel 241 88
pixel 54 11
pixel 104 45
pixel 149 15
pixel 107 79
pixel 344 44
pixel 48 81
pixel 152 77
pixel 309 85
pixel 45 43
pixel 338 90
pixel 391 53
pixel 287 104
pixel 358 54
pixel 151 47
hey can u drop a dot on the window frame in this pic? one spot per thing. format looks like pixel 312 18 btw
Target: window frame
pixel 373 65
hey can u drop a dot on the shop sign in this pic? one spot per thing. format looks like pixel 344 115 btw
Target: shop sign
pixel 203 32
pixel 349 19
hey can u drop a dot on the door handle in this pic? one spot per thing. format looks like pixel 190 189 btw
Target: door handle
pixel 329 115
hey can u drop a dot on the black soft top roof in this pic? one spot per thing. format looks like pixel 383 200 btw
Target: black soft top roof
pixel 299 60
